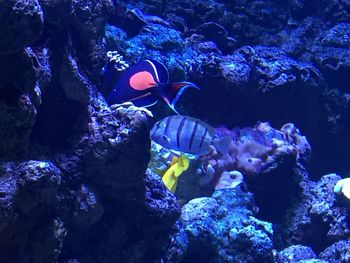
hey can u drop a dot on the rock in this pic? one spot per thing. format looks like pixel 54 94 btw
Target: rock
pixel 319 215
pixel 297 253
pixel 337 252
pixel 255 81
pixel 46 241
pixel 20 97
pixel 330 52
pixel 75 85
pixel 218 34
pixel 29 198
pixel 58 13
pixel 21 24
pixel 221 227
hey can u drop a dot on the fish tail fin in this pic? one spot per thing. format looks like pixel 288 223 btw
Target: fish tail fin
pixel 222 144
pixel 173 91
pixel 170 180
pixel 177 167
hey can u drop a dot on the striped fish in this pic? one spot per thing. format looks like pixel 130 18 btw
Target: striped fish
pixel 188 135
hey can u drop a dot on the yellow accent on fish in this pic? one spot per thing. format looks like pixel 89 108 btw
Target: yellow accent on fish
pixel 177 167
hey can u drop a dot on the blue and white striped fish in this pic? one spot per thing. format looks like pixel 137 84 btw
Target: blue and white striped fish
pixel 188 135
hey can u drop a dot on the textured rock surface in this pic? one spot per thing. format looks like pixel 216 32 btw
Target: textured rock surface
pixel 20 97
pixel 73 179
pixel 91 181
pixel 316 213
pixel 338 252
pixel 221 228
pixel 29 197
pixel 296 253
pixel 22 23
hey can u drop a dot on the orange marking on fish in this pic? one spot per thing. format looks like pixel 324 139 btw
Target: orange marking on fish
pixel 142 80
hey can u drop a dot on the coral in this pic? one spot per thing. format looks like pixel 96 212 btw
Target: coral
pixel 257 150
pixel 341 188
pixel 89 34
pixel 153 40
pixel 118 61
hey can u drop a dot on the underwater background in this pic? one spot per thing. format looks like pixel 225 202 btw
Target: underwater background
pixel 82 180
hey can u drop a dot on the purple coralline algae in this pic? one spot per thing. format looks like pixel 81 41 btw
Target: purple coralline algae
pixel 257 150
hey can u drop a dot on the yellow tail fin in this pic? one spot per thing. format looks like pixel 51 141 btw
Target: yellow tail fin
pixel 177 167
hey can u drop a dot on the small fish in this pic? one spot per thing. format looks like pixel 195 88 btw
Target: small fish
pixel 177 167
pixel 144 83
pixel 188 135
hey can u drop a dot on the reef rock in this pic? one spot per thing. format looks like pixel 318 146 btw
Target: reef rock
pixel 296 253
pixel 337 252
pixel 20 98
pixel 257 82
pixel 317 213
pixel 29 198
pixel 221 228
pixel 331 52
pixel 21 24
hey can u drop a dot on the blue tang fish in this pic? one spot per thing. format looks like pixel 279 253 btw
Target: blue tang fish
pixel 189 135
pixel 144 83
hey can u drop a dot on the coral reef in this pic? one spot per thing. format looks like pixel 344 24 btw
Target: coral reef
pixel 76 184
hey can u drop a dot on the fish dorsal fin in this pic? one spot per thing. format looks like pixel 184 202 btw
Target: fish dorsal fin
pixel 160 71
